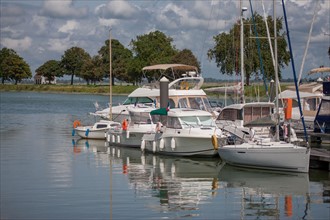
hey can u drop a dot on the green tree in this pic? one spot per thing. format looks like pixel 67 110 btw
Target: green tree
pixel 186 57
pixel 13 67
pixel 50 70
pixel 150 49
pixel 226 51
pixel 73 60
pixel 92 70
pixel 120 59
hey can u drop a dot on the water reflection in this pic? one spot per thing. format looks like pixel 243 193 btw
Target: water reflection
pixel 187 187
pixel 266 193
pixel 178 183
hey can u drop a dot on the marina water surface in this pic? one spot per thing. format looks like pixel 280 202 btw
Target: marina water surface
pixel 48 174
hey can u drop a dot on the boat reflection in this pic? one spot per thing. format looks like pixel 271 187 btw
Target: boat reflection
pixel 179 183
pixel 266 193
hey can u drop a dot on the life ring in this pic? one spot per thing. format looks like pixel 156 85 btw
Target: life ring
pixel 124 124
pixel 215 142
pixel 76 123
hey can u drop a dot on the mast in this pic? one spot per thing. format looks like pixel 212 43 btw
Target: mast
pixel 307 45
pixel 277 135
pixel 110 77
pixel 242 52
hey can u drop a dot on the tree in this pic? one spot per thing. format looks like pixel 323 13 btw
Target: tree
pixel 92 70
pixel 226 51
pixel 50 70
pixel 13 67
pixel 150 49
pixel 121 57
pixel 73 60
pixel 186 57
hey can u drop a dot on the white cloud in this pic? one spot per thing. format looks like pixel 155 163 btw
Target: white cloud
pixel 62 9
pixel 116 9
pixel 60 45
pixel 40 21
pixel 69 27
pixel 17 44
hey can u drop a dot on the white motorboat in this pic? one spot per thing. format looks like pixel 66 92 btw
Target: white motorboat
pixel 130 133
pixel 187 132
pixel 96 131
pixel 184 92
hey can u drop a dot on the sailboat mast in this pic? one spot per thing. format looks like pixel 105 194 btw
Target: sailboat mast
pixel 277 135
pixel 110 77
pixel 242 52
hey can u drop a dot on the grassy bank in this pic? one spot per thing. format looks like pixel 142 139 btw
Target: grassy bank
pixel 250 91
pixel 92 89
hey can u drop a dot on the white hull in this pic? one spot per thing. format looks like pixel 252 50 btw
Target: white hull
pixel 91 134
pixel 130 138
pixel 96 131
pixel 280 156
pixel 179 145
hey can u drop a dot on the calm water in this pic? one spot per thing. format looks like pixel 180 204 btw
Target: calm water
pixel 48 174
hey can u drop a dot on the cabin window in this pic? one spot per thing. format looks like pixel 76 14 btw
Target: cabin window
pixel 205 121
pixel 140 118
pixel 230 114
pixel 101 126
pixel 207 104
pixel 189 121
pixel 183 103
pixel 254 113
pixel 173 122
pixel 137 100
pixel 196 103
pixel 324 110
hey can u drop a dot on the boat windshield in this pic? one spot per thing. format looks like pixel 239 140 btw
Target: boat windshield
pixel 138 100
pixel 139 118
pixel 196 121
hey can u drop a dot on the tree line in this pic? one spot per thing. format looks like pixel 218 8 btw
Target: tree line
pixel 157 48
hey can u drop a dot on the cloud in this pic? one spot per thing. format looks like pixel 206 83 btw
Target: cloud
pixel 69 27
pixel 62 9
pixel 60 45
pixel 17 44
pixel 40 21
pixel 117 9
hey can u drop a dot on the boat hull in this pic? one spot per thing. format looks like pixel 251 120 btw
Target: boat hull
pixel 91 134
pixel 180 145
pixel 277 156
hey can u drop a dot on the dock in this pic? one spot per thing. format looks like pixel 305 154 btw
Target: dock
pixel 320 150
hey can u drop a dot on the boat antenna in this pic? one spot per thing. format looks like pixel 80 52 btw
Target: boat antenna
pixel 110 77
pixel 294 72
pixel 243 9
pixel 259 53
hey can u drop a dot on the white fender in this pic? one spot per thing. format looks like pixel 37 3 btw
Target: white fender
pixel 127 134
pixel 108 138
pixel 118 138
pixel 161 144
pixel 154 146
pixel 113 138
pixel 143 145
pixel 173 143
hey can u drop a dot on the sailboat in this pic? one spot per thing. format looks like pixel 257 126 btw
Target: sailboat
pixel 268 152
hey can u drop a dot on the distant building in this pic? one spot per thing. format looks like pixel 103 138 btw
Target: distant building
pixel 39 79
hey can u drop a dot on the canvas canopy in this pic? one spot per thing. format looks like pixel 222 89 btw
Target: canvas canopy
pixel 319 70
pixel 171 66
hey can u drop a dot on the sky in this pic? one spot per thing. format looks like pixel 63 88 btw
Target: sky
pixel 41 30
